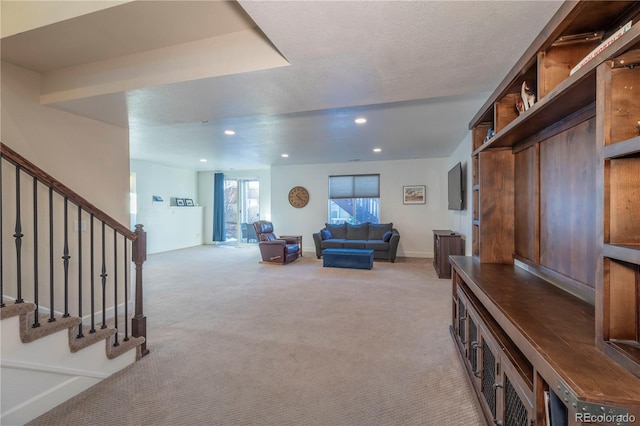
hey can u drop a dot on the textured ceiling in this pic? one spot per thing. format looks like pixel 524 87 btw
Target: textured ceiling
pixel 417 70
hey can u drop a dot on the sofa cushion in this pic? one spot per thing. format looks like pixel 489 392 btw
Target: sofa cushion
pixel 325 234
pixel 332 243
pixel 338 231
pixel 387 236
pixel 377 245
pixel 358 232
pixel 377 230
pixel 355 244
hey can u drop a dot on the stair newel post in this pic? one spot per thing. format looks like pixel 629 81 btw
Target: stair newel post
pixel 139 255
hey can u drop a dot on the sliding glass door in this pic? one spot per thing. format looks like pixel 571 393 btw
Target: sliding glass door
pixel 242 208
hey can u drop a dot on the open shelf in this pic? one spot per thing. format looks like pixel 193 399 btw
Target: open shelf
pixel 556 62
pixel 622 312
pixel 624 100
pixel 574 93
pixel 622 201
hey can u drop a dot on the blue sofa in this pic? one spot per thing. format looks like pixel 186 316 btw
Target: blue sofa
pixel 382 238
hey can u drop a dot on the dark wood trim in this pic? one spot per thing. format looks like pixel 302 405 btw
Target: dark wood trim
pixel 624 354
pixel 622 149
pixel 563 125
pixel 624 252
pixel 139 320
pixel 564 282
pixel 63 190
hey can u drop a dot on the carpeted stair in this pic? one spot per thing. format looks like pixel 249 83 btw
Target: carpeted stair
pixel 28 333
pixel 46 365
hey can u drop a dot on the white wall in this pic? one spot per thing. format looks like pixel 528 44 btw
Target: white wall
pixel 88 156
pixel 168 227
pixel 460 221
pixel 205 195
pixel 414 222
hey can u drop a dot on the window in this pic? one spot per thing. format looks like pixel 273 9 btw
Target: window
pixel 354 199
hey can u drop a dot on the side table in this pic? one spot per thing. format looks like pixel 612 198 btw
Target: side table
pixel 446 243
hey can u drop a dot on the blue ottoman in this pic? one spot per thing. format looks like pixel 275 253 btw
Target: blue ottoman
pixel 347 258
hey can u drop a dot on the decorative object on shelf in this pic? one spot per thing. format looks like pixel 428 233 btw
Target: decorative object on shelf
pixel 519 105
pixel 595 52
pixel 298 197
pixel 528 97
pixel 157 199
pixel 180 202
pixel 490 133
pixel 188 202
pixel 414 194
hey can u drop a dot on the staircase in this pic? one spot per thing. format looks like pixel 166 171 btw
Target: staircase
pixel 65 275
pixel 359 212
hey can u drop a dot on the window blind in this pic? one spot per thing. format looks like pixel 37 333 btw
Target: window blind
pixel 354 186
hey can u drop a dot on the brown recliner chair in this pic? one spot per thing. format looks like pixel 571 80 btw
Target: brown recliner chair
pixel 273 249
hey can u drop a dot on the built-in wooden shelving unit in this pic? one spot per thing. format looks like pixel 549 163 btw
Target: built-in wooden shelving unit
pixel 549 303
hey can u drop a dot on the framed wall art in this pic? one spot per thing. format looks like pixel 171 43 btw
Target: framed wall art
pixel 414 194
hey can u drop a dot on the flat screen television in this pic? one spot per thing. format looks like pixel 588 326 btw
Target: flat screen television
pixel 456 188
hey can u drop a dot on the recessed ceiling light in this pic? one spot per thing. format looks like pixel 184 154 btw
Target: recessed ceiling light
pixel 377 149
pixel 229 132
pixel 285 155
pixel 203 160
pixel 360 120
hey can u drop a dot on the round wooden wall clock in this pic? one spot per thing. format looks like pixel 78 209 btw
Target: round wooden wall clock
pixel 298 196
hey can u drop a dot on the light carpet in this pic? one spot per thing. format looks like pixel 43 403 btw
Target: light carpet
pixel 237 342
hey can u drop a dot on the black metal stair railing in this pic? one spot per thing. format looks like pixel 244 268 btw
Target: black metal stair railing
pixel 77 270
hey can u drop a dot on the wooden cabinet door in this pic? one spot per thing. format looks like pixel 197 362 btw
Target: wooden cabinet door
pixel 516 402
pixel 489 374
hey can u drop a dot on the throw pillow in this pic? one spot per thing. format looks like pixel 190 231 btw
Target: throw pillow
pixel 325 234
pixel 387 236
pixel 338 231
pixel 377 230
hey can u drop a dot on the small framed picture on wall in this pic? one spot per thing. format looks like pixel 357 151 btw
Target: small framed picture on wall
pixel 180 202
pixel 414 194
